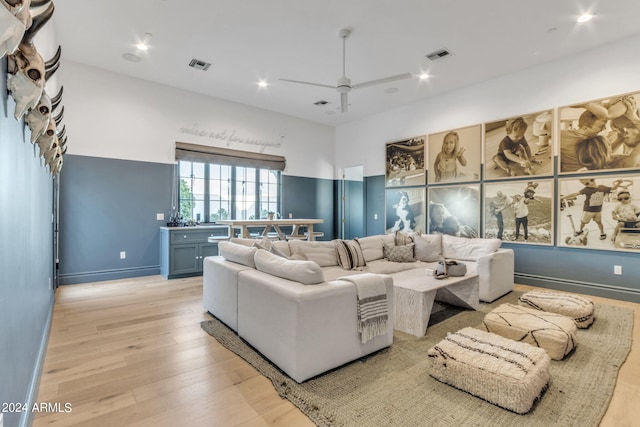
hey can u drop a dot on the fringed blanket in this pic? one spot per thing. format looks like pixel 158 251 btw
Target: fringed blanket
pixel 372 305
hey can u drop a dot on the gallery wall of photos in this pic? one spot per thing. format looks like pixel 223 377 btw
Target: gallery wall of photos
pixel 499 179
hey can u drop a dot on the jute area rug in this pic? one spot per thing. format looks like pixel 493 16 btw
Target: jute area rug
pixel 392 387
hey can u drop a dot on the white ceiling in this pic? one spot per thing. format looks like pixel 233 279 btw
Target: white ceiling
pixel 249 40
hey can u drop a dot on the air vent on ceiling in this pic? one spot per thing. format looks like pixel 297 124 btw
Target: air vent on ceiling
pixel 321 102
pixel 199 64
pixel 438 54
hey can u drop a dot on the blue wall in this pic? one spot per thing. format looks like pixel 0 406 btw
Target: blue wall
pixel 26 260
pixel 575 270
pixel 310 198
pixel 108 206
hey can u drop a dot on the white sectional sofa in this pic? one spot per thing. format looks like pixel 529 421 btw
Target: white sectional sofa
pixel 302 317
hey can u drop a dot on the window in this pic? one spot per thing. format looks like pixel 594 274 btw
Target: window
pixel 210 191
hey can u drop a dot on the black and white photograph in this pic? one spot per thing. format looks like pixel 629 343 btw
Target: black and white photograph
pixel 600 212
pixel 519 211
pixel 519 146
pixel 600 135
pixel 455 210
pixel 454 155
pixel 406 163
pixel 405 210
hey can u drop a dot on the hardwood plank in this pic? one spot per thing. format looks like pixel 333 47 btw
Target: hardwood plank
pixel 131 352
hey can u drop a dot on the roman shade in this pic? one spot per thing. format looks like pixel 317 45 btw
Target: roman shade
pixel 227 156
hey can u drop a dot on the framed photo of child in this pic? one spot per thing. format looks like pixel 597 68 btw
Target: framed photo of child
pixel 454 155
pixel 519 211
pixel 519 146
pixel 600 135
pixel 454 210
pixel 599 212
pixel 405 210
pixel 405 163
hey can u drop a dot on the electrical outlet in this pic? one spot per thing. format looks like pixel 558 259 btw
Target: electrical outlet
pixel 617 270
pixel 290 215
pixel 123 255
pixel 49 283
pixel 160 217
pixel 375 216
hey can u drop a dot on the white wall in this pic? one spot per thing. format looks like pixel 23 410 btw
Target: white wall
pixel 115 116
pixel 609 70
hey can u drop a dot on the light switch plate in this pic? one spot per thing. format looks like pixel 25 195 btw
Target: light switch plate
pixel 160 217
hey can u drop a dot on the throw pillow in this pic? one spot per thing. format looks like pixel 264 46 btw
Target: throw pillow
pixel 403 238
pixel 350 254
pixel 428 247
pixel 237 253
pixel 305 272
pixel 322 253
pixel 371 247
pixel 402 253
pixel 463 248
pixel 274 250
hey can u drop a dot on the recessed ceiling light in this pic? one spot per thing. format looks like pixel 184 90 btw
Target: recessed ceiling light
pixel 131 57
pixel 584 18
pixel 144 43
pixel 263 83
pixel 424 76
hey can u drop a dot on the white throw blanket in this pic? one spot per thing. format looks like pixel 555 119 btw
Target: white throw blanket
pixel 372 304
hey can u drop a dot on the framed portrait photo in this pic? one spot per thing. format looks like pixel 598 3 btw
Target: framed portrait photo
pixel 406 163
pixel 600 135
pixel 519 211
pixel 519 146
pixel 405 210
pixel 454 156
pixel 454 210
pixel 599 212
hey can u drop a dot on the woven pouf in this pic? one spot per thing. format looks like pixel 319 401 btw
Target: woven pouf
pixel 553 332
pixel 501 371
pixel 580 309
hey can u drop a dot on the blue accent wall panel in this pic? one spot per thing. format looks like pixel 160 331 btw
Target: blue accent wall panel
pixel 374 190
pixel 26 260
pixel 108 206
pixel 310 198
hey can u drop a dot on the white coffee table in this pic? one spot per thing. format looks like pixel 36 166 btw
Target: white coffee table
pixel 414 293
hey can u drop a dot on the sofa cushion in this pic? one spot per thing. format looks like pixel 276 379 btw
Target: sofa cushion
pixel 382 266
pixel 237 253
pixel 322 253
pixel 402 253
pixel 350 254
pixel 463 248
pixel 403 238
pixel 242 241
pixel 305 272
pixel 428 247
pixel 372 245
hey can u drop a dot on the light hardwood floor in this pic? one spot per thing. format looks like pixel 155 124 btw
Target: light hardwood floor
pixel 131 352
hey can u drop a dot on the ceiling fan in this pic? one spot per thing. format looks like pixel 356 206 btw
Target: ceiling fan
pixel 344 85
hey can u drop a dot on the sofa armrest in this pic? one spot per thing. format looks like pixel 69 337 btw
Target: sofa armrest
pixel 495 272
pixel 220 289
pixel 304 329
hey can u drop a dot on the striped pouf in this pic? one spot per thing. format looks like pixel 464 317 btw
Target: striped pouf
pixel 510 374
pixel 579 308
pixel 553 332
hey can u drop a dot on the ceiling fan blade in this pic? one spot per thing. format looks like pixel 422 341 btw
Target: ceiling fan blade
pixel 343 102
pixel 307 83
pixel 381 81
